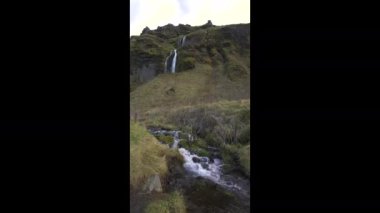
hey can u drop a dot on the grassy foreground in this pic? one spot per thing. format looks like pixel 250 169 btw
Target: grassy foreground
pixel 147 155
pixel 172 203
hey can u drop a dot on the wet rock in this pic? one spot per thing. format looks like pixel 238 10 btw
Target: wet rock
pixel 200 160
pixel 214 155
pixel 205 165
pixel 196 160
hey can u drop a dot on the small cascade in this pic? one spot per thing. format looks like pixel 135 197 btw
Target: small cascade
pixel 176 140
pixel 166 63
pixel 174 61
pixel 170 61
pixel 182 41
pixel 200 165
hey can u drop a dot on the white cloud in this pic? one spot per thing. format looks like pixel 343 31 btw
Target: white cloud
pixel 154 13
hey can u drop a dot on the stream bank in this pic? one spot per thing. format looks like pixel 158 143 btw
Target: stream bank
pixel 201 179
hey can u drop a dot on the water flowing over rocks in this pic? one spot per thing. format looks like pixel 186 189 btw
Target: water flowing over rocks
pixel 207 172
pixel 170 62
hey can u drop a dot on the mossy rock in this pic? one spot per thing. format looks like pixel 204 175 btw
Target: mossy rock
pixel 184 144
pixel 166 139
pixel 200 143
pixel 208 197
pixel 183 136
pixel 200 151
pixel 186 64
pixel 235 71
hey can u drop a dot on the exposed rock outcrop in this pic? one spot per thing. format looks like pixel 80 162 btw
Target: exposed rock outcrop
pixel 153 184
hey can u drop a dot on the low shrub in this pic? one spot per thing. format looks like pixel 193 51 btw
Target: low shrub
pixel 245 159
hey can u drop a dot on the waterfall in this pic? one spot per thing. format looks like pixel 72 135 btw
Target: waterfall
pixel 173 57
pixel 166 63
pixel 174 61
pixel 183 41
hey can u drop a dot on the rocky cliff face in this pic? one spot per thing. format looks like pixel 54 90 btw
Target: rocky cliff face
pixel 227 46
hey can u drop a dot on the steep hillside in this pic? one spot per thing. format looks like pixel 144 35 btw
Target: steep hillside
pixel 212 63
pixel 220 50
pixel 190 86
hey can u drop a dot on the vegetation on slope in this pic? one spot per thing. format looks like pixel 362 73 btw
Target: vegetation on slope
pixel 245 159
pixel 208 96
pixel 171 203
pixel 147 155
pixel 202 85
pixel 223 124
pixel 226 47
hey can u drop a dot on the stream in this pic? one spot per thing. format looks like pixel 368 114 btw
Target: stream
pixel 204 185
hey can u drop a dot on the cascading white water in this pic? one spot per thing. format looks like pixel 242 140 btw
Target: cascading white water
pixel 198 165
pixel 176 140
pixel 174 61
pixel 166 63
pixel 202 168
pixel 183 41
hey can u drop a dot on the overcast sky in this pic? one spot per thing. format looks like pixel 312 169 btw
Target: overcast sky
pixel 154 13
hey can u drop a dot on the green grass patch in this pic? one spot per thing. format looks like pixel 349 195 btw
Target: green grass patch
pixel 165 139
pixel 245 159
pixel 147 155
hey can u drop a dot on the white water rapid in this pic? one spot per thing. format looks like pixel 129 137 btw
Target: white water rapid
pixel 202 166
pixel 199 165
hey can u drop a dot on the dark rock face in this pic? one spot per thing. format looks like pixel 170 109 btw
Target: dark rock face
pixel 200 160
pixel 196 160
pixel 207 25
pixel 145 30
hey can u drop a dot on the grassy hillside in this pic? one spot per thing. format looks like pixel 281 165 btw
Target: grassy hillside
pixel 204 84
pixel 208 96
